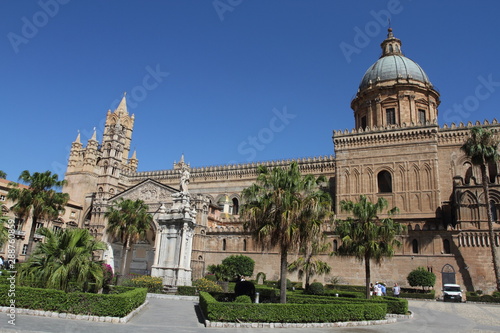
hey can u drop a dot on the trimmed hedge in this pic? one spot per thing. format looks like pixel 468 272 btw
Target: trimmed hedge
pixel 186 290
pixel 394 305
pixel 289 313
pixel 473 297
pixel 429 295
pixel 113 305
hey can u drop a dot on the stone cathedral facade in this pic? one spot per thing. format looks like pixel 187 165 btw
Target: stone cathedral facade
pixel 396 151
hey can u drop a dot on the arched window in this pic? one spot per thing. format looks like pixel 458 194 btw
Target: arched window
pixel 492 171
pixel 335 245
pixel 384 182
pixel 414 245
pixel 223 245
pixel 446 246
pixel 493 209
pixel 244 245
pixel 468 174
pixel 236 206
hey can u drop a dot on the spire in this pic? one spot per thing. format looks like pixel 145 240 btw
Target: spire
pixel 94 136
pixel 134 155
pixel 182 158
pixel 77 140
pixel 122 107
pixel 391 45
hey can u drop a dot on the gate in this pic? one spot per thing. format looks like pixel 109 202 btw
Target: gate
pixel 448 274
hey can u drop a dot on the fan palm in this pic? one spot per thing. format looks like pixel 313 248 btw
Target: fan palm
pixel 482 149
pixel 273 211
pixel 65 258
pixel 365 236
pixel 128 220
pixel 40 199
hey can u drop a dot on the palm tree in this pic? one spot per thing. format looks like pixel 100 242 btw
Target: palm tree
pixel 3 175
pixel 65 258
pixel 366 236
pixel 316 209
pixel 128 220
pixel 482 149
pixel 40 199
pixel 4 231
pixel 273 208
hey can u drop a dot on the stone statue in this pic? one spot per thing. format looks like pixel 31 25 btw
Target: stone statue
pixel 184 179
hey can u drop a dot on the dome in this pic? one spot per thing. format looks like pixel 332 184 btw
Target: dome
pixel 392 67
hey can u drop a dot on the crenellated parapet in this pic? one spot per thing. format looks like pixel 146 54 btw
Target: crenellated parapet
pixel 457 134
pixel 377 136
pixel 317 164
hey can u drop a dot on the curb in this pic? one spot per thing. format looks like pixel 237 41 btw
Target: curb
pixel 63 315
pixel 209 323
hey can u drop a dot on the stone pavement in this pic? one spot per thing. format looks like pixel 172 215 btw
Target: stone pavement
pixel 167 315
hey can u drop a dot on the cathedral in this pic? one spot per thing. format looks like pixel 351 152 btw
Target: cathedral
pixel 396 151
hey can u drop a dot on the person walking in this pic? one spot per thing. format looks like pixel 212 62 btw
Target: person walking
pixel 396 290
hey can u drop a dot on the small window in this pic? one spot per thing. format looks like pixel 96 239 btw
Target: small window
pixel 414 246
pixel 421 116
pixel 446 246
pixel 235 206
pixel 73 213
pixel 56 228
pixel 493 209
pixel 363 122
pixel 223 245
pixel 244 245
pixel 335 245
pixel 492 171
pixel 390 115
pixel 39 225
pixel 384 182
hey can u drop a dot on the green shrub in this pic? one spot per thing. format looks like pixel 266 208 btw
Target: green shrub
pixel 243 299
pixel 186 290
pixel 344 287
pixel 153 284
pixel 496 294
pixel 347 294
pixel 474 297
pixel 289 285
pixel 207 285
pixel 211 277
pixel 289 313
pixel 316 288
pixel 113 305
pixel 421 277
pixel 428 295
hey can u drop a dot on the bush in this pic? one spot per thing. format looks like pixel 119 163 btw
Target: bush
pixel 211 277
pixel 113 305
pixel 428 295
pixel 186 290
pixel 153 284
pixel 207 286
pixel 288 313
pixel 315 288
pixel 421 277
pixel 289 284
pixel 243 299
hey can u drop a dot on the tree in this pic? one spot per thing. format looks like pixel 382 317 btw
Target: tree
pixel 273 207
pixel 128 220
pixel 3 175
pixel 4 231
pixel 64 259
pixel 239 265
pixel 482 149
pixel 421 277
pixel 366 236
pixel 40 199
pixel 316 209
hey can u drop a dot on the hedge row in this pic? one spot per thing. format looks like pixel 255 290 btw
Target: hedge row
pixel 483 298
pixel 289 313
pixel 186 290
pixel 429 295
pixel 112 305
pixel 394 305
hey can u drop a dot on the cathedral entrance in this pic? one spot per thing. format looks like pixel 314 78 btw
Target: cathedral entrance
pixel 448 274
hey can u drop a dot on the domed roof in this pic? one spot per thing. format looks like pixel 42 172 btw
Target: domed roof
pixel 393 65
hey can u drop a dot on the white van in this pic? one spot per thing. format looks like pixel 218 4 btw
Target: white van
pixel 452 293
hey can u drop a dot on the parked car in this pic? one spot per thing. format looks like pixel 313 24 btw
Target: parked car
pixel 452 293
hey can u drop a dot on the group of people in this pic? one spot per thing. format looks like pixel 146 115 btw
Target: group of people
pixel 379 289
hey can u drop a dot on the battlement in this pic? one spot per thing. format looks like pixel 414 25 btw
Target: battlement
pixel 232 171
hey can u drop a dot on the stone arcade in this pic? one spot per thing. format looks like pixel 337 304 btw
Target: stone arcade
pixel 396 151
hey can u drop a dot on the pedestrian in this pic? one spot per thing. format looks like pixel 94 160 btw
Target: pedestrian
pixel 371 289
pixel 383 289
pixel 396 290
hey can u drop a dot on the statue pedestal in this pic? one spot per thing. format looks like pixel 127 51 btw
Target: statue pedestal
pixel 174 243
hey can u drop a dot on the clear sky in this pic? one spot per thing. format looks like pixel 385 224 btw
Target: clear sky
pixel 225 81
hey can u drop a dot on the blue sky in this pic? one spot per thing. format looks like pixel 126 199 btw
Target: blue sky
pixel 225 81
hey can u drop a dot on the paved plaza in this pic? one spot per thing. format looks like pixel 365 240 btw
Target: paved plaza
pixel 167 315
